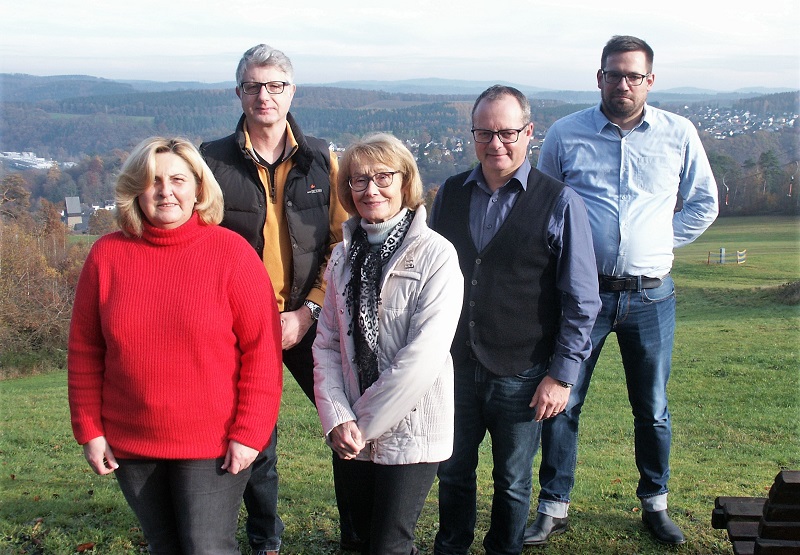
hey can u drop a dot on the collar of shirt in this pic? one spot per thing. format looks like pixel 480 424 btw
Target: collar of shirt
pixel 521 175
pixel 489 209
pixel 289 148
pixel 601 121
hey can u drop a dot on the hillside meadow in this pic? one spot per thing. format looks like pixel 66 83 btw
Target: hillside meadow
pixel 733 398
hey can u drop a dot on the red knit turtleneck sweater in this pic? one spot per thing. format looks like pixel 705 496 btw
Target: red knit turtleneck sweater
pixel 174 346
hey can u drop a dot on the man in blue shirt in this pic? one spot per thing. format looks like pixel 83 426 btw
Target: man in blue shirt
pixel 531 296
pixel 629 162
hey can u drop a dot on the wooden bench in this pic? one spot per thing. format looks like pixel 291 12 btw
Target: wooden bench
pixel 763 526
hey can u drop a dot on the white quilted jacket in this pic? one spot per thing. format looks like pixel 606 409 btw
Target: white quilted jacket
pixel 407 414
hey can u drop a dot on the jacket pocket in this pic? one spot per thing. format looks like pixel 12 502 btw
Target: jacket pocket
pixel 401 290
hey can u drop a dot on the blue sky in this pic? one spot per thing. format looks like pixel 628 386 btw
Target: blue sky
pixel 709 44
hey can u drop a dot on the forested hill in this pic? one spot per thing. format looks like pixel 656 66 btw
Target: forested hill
pixel 778 103
pixel 752 142
pixel 69 128
pixel 68 117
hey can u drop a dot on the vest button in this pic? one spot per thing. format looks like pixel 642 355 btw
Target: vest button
pixel 472 303
pixel 477 261
pixel 474 282
pixel 472 324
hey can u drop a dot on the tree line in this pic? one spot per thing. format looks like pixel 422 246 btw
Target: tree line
pixel 39 269
pixel 40 260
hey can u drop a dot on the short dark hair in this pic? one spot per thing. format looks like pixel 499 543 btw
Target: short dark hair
pixel 498 91
pixel 626 43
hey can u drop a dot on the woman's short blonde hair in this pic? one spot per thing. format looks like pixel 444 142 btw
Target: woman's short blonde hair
pixel 385 149
pixel 138 174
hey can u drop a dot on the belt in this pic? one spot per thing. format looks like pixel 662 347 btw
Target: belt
pixel 629 283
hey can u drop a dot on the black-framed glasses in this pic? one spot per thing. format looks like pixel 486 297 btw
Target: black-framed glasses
pixel 614 77
pixel 506 136
pixel 254 87
pixel 360 183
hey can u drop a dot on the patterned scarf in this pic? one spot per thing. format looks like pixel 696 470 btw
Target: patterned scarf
pixel 363 294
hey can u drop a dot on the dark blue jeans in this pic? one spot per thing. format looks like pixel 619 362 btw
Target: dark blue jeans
pixel 644 322
pixel 184 506
pixel 499 405
pixel 264 524
pixel 386 501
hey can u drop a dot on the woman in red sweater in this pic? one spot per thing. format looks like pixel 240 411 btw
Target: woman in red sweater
pixel 174 353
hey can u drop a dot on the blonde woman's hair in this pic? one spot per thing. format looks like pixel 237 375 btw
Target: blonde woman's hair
pixel 384 149
pixel 138 174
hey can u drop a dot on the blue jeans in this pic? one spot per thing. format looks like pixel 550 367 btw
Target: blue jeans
pixel 184 506
pixel 644 322
pixel 264 524
pixel 487 402
pixel 386 502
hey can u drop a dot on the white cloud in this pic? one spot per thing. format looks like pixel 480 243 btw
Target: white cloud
pixel 548 44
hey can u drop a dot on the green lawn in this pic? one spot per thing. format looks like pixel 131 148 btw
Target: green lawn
pixel 733 398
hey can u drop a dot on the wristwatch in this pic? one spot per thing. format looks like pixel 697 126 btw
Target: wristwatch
pixel 564 384
pixel 315 309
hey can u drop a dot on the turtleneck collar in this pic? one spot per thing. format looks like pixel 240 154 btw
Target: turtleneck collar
pixel 186 233
pixel 377 233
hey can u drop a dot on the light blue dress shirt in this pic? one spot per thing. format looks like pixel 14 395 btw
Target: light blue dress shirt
pixel 630 182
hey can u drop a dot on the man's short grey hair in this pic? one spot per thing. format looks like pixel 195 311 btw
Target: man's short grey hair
pixel 495 92
pixel 263 55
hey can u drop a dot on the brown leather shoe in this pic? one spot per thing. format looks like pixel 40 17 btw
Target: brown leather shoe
pixel 543 528
pixel 662 527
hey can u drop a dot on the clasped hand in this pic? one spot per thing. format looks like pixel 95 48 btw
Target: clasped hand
pixel 346 440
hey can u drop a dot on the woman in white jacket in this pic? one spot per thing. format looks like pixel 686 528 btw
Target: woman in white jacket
pixel 382 369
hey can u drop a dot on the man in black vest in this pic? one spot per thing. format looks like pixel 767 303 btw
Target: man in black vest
pixel 279 189
pixel 525 249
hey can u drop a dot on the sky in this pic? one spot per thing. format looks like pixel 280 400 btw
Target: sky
pixel 708 44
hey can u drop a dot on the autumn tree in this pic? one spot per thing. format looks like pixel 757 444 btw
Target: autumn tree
pixel 430 196
pixel 38 273
pixel 15 200
pixel 102 222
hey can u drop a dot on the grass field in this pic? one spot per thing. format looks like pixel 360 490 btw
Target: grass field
pixel 733 398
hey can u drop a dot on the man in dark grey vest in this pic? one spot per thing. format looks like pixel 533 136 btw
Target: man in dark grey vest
pixel 279 189
pixel 525 249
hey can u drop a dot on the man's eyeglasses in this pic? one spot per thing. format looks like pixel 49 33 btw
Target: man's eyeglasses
pixel 254 87
pixel 360 183
pixel 506 136
pixel 614 77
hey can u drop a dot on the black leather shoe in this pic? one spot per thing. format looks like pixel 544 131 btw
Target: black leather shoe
pixel 662 527
pixel 543 528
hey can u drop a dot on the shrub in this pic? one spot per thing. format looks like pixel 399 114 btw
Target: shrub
pixel 38 275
